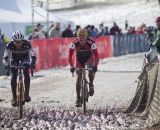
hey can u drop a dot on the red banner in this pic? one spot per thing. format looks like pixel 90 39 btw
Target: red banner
pixel 54 52
pixel 103 46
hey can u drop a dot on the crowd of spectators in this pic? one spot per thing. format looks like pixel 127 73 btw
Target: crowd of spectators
pixel 55 30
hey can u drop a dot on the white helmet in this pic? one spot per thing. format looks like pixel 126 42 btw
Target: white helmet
pixel 18 36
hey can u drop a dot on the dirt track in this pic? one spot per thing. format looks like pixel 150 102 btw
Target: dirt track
pixel 53 98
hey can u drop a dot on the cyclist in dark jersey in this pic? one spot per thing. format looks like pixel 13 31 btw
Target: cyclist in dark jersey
pixel 19 50
pixel 86 52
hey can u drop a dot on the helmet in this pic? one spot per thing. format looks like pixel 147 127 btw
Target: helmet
pixel 18 36
pixel 158 19
pixel 82 33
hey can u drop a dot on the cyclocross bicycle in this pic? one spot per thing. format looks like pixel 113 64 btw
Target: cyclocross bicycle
pixel 20 89
pixel 84 88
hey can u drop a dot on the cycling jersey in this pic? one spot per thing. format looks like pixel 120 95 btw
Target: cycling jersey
pixel 19 53
pixel 90 46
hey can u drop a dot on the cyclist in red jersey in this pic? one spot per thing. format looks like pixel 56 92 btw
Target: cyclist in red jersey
pixel 86 52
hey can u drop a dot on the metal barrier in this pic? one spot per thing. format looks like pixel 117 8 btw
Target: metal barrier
pixel 119 45
pixel 128 44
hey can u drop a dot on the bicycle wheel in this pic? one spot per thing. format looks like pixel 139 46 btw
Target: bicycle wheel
pixel 20 100
pixel 84 96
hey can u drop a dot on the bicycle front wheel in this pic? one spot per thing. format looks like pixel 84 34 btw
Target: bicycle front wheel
pixel 20 99
pixel 84 87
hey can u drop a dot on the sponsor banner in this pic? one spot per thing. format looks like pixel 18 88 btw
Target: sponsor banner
pixel 54 52
pixel 103 46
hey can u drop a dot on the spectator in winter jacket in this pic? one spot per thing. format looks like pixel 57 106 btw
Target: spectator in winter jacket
pixel 36 34
pixel 157 41
pixel 67 32
pixel 115 30
pixel 3 38
pixel 75 33
pixel 92 32
pixel 55 31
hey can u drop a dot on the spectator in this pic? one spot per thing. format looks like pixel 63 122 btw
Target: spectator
pixel 34 34
pixel 101 27
pixel 92 32
pixel 88 28
pixel 115 29
pixel 102 32
pixel 126 25
pixel 106 31
pixel 141 29
pixel 37 34
pixel 75 32
pixel 132 30
pixel 150 35
pixel 55 31
pixel 39 26
pixel 67 32
pixel 3 39
pixel 41 33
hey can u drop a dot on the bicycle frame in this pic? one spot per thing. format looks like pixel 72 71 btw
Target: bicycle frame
pixel 20 90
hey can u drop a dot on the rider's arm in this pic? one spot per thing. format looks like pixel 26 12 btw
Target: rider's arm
pixel 31 52
pixel 157 41
pixel 95 53
pixel 71 51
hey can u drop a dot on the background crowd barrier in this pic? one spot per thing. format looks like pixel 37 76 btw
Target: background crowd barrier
pixel 54 52
pixel 127 44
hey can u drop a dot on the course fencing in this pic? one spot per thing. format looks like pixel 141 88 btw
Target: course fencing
pixel 128 44
pixel 54 52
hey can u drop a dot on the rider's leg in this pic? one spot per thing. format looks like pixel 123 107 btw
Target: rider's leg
pixel 14 85
pixel 27 84
pixel 78 82
pixel 91 76
pixel 78 86
pixel 26 63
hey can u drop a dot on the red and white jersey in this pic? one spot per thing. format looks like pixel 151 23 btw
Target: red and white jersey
pixel 90 46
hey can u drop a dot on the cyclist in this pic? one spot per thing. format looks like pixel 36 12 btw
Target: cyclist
pixel 86 52
pixel 155 45
pixel 19 50
pixel 157 41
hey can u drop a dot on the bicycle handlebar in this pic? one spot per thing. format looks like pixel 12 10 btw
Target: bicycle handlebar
pixel 82 69
pixel 85 68
pixel 18 67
